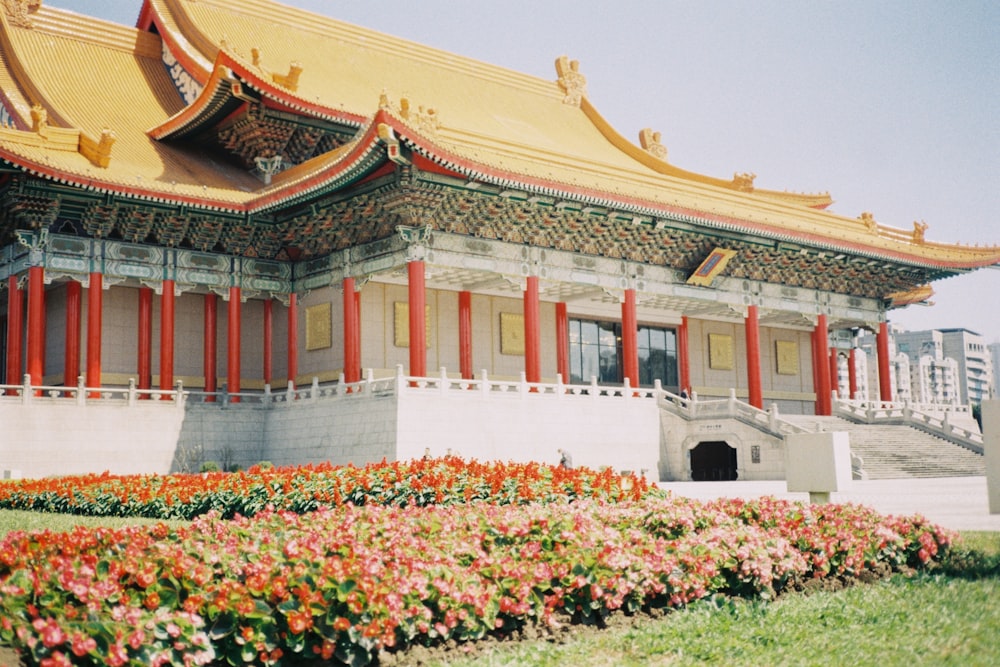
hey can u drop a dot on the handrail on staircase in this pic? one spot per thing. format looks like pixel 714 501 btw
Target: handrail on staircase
pixel 694 408
pixel 885 412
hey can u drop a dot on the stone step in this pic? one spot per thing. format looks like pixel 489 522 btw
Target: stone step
pixel 891 451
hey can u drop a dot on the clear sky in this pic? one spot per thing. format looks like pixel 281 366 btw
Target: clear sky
pixel 891 106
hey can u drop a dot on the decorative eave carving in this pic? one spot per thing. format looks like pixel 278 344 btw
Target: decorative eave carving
pixel 744 181
pixel 423 120
pixel 19 12
pixel 650 142
pixel 573 83
pixel 290 80
pixel 43 135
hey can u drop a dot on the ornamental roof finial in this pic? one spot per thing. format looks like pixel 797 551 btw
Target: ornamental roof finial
pixel 571 81
pixel 650 142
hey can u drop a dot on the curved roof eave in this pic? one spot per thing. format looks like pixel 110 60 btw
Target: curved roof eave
pixel 475 171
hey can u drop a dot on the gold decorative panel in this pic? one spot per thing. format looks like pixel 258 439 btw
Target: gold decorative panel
pixel 401 319
pixel 319 327
pixel 511 333
pixel 787 355
pixel 720 352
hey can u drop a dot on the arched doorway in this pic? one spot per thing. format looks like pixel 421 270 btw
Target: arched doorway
pixel 713 461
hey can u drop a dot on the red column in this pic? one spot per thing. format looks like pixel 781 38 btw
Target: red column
pixel 754 386
pixel 15 324
pixel 418 324
pixel 167 335
pixel 821 369
pixel 144 363
pixel 465 334
pixel 210 345
pixel 233 343
pixel 562 340
pixel 884 379
pixel 293 337
pixel 630 339
pixel 268 338
pixel 532 332
pixel 71 366
pixel 683 352
pixel 95 313
pixel 852 373
pixel 352 343
pixel 36 324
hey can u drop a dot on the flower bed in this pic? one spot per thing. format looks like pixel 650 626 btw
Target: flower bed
pixel 300 489
pixel 343 584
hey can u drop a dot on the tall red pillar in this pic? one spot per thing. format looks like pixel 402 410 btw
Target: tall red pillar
pixel 754 386
pixel 852 373
pixel 884 377
pixel 210 345
pixel 532 332
pixel 268 339
pixel 71 354
pixel 95 319
pixel 821 368
pixel 15 327
pixel 465 334
pixel 562 340
pixel 630 339
pixel 144 362
pixel 233 344
pixel 418 323
pixel 293 337
pixel 36 325
pixel 684 357
pixel 352 343
pixel 167 335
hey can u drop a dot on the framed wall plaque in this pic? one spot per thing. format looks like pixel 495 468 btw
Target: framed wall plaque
pixel 720 352
pixel 319 327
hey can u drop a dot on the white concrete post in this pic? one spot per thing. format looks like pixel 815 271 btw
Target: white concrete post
pixel 81 395
pixel 340 388
pixel 26 393
pixel 131 392
pixel 179 396
pixel 314 390
pixel 443 382
pixel 818 463
pixel 484 383
pixel 593 386
pixel 991 451
pixel 524 384
pixel 400 379
pixel 290 391
pixel 560 388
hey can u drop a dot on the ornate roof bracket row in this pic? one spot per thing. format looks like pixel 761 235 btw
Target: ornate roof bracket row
pixel 486 262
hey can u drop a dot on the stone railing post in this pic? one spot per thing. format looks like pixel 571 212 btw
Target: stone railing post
pixel 731 406
pixel 26 392
pixel 523 388
pixel 290 391
pixel 443 382
pixel 131 392
pixel 81 395
pixel 484 385
pixel 400 379
pixel 314 390
pixel 179 396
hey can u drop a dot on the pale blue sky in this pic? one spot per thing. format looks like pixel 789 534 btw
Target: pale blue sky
pixel 891 106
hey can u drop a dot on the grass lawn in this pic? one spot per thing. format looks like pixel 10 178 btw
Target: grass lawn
pixel 947 617
pixel 950 616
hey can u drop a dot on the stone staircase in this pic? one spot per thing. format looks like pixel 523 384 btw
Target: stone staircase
pixel 892 451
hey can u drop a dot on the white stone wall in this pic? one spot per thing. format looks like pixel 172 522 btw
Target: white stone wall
pixel 60 437
pixel 622 433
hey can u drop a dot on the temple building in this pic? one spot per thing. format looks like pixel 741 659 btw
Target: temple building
pixel 240 230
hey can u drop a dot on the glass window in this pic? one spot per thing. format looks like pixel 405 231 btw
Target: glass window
pixel 595 351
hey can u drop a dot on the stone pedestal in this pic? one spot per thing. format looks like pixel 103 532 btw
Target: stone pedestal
pixel 991 452
pixel 818 463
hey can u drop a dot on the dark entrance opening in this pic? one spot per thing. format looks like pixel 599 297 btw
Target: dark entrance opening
pixel 713 461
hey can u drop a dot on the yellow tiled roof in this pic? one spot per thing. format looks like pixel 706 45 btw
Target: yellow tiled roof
pixel 92 75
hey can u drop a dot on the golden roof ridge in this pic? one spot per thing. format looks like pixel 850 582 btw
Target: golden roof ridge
pixel 71 25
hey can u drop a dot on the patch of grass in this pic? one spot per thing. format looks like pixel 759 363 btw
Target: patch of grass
pixel 946 617
pixel 11 520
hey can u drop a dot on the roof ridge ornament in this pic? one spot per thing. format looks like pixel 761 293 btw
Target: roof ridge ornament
pixel 18 11
pixel 290 80
pixel 650 142
pixel 573 83
pixel 919 229
pixel 423 120
pixel 744 181
pixel 869 221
